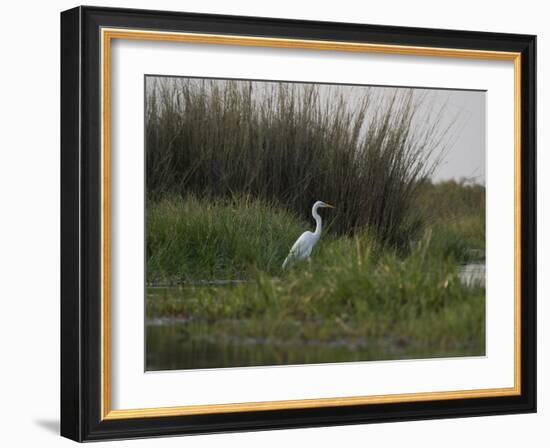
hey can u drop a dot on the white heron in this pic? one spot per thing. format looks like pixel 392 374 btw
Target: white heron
pixel 303 246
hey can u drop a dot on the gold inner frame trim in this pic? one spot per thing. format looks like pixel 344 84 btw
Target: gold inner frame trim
pixel 107 35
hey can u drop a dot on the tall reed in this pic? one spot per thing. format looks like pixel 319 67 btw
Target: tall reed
pixel 292 144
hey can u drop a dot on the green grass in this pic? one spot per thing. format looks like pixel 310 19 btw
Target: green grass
pixel 354 289
pixel 456 213
pixel 191 239
pixel 346 280
pixel 347 293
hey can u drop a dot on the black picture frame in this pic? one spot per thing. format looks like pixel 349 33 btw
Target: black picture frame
pixel 81 224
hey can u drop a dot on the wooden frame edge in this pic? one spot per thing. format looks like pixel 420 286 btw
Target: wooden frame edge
pixel 107 34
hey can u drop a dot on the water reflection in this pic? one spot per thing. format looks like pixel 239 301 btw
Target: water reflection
pixel 180 344
pixel 473 274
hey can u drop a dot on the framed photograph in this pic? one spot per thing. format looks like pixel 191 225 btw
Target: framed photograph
pixel 272 223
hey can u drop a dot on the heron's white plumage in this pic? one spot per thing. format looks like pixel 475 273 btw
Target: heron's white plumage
pixel 303 246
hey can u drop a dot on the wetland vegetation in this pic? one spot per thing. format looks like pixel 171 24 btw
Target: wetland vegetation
pixel 232 171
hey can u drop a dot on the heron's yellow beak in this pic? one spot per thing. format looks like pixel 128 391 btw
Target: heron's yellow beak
pixel 328 205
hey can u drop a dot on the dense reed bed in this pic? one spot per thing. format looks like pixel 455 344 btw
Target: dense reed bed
pixel 291 144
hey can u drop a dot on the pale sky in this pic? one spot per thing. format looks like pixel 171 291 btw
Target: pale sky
pixel 466 143
pixel 465 153
pixel 466 157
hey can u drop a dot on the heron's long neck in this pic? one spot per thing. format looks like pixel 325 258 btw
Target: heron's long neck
pixel 319 222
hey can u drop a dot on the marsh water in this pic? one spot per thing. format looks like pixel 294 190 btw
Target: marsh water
pixel 472 274
pixel 178 343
